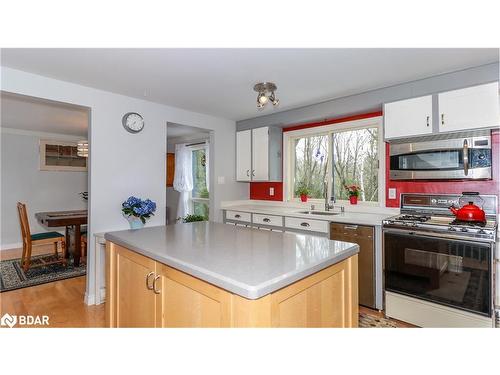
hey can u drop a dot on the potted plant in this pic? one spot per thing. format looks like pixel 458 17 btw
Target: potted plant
pixel 192 218
pixel 353 192
pixel 304 192
pixel 137 211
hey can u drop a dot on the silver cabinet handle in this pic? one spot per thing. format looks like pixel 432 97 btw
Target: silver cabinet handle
pixel 150 287
pixel 248 172
pixel 253 172
pixel 266 220
pixel 353 227
pixel 237 216
pixel 305 224
pixel 466 157
pixel 442 118
pixel 427 120
pixel 154 284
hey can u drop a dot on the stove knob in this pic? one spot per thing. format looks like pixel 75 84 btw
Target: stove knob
pixel 451 229
pixel 414 225
pixel 464 230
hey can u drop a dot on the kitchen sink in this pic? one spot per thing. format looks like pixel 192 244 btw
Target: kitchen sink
pixel 323 213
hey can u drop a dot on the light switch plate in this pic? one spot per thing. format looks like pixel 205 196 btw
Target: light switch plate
pixel 221 180
pixel 392 193
pixel 271 191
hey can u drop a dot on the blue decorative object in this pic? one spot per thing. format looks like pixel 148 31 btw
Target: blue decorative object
pixel 136 211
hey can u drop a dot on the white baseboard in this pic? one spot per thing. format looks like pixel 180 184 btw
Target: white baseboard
pixel 9 246
pixel 89 299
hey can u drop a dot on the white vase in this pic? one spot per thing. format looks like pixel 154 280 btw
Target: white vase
pixel 134 222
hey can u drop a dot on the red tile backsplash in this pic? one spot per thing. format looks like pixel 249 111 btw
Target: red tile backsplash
pixel 260 190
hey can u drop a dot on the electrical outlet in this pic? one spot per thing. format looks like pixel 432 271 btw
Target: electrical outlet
pixel 271 191
pixel 392 193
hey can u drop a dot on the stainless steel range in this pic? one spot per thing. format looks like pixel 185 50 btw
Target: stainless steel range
pixel 439 271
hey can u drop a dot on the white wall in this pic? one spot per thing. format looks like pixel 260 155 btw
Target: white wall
pixel 122 164
pixel 23 181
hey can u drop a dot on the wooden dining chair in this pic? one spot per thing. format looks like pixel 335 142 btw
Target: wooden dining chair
pixel 30 240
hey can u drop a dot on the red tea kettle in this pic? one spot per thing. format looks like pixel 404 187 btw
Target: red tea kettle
pixel 470 212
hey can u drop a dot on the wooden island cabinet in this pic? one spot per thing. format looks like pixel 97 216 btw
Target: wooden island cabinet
pixel 143 292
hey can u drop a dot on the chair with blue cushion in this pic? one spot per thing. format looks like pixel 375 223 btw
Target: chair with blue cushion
pixel 30 240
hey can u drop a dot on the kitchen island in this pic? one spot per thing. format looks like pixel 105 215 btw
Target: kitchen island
pixel 208 274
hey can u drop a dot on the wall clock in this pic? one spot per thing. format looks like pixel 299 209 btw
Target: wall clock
pixel 133 122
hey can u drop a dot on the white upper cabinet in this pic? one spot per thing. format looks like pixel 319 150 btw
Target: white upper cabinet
pixel 260 154
pixel 470 108
pixel 243 155
pixel 409 117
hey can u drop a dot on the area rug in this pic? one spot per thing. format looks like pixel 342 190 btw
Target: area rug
pixel 370 321
pixel 12 276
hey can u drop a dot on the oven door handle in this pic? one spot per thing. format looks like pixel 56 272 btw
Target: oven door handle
pixel 466 157
pixel 437 235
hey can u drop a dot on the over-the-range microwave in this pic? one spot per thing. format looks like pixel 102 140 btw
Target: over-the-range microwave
pixel 444 157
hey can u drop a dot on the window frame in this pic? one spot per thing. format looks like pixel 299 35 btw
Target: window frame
pixel 289 157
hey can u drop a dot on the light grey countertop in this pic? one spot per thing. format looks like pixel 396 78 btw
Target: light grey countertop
pixel 249 262
pixel 360 218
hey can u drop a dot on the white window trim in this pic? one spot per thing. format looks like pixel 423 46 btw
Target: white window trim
pixel 192 200
pixel 289 160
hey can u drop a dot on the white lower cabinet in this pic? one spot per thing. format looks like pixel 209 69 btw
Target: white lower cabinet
pixel 239 216
pixel 276 221
pixel 306 224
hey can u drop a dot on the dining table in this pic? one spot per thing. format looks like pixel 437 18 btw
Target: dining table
pixel 69 219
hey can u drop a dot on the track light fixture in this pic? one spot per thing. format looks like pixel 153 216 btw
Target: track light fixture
pixel 266 94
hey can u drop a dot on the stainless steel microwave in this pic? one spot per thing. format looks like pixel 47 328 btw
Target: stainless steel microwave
pixel 460 157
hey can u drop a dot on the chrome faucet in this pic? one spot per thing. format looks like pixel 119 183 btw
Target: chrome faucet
pixel 328 205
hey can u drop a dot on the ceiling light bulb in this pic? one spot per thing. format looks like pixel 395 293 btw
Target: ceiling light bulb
pixel 273 99
pixel 263 99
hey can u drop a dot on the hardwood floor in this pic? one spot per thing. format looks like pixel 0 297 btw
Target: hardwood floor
pixel 62 300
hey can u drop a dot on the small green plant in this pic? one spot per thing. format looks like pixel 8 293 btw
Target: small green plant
pixel 193 218
pixel 303 190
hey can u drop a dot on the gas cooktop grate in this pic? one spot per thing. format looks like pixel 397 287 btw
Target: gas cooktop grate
pixel 480 224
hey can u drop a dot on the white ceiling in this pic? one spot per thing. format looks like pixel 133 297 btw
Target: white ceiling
pixel 220 81
pixel 33 114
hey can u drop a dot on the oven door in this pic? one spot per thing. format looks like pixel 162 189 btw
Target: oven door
pixel 449 159
pixel 446 271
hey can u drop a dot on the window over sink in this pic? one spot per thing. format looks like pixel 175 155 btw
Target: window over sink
pixel 333 156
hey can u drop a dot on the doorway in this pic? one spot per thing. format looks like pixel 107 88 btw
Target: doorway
pixel 188 173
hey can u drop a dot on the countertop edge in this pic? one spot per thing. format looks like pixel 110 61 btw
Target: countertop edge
pixel 243 290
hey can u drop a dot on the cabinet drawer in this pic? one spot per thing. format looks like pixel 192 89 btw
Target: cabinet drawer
pixel 306 224
pixel 276 221
pixel 240 216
